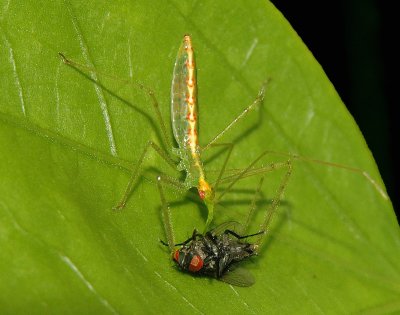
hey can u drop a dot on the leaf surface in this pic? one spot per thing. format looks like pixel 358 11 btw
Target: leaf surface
pixel 68 145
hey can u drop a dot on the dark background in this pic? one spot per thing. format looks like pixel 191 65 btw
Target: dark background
pixel 355 41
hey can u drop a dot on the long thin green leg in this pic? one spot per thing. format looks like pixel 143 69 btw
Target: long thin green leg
pixel 241 175
pixel 294 157
pixel 259 99
pixel 233 179
pixel 219 178
pixel 271 210
pixel 165 209
pixel 222 171
pixel 149 91
pixel 273 206
pixel 166 216
pixel 210 207
pixel 252 207
pixel 173 182
pixel 136 171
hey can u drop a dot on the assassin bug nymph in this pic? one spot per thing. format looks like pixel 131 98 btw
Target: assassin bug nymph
pixel 184 121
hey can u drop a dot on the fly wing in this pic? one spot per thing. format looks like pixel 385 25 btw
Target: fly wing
pixel 183 87
pixel 239 277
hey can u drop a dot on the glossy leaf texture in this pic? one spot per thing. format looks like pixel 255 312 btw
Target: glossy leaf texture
pixel 69 140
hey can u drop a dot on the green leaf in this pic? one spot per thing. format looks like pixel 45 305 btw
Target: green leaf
pixel 68 145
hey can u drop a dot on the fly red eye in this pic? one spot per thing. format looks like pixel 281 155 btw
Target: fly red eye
pixel 175 256
pixel 202 194
pixel 196 264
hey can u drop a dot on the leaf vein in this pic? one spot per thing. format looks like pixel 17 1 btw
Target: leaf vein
pixel 75 269
pixel 17 81
pixel 93 76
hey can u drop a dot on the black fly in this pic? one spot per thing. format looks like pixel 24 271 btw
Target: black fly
pixel 215 254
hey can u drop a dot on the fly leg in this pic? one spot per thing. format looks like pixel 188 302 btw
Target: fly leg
pixel 192 238
pixel 240 237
